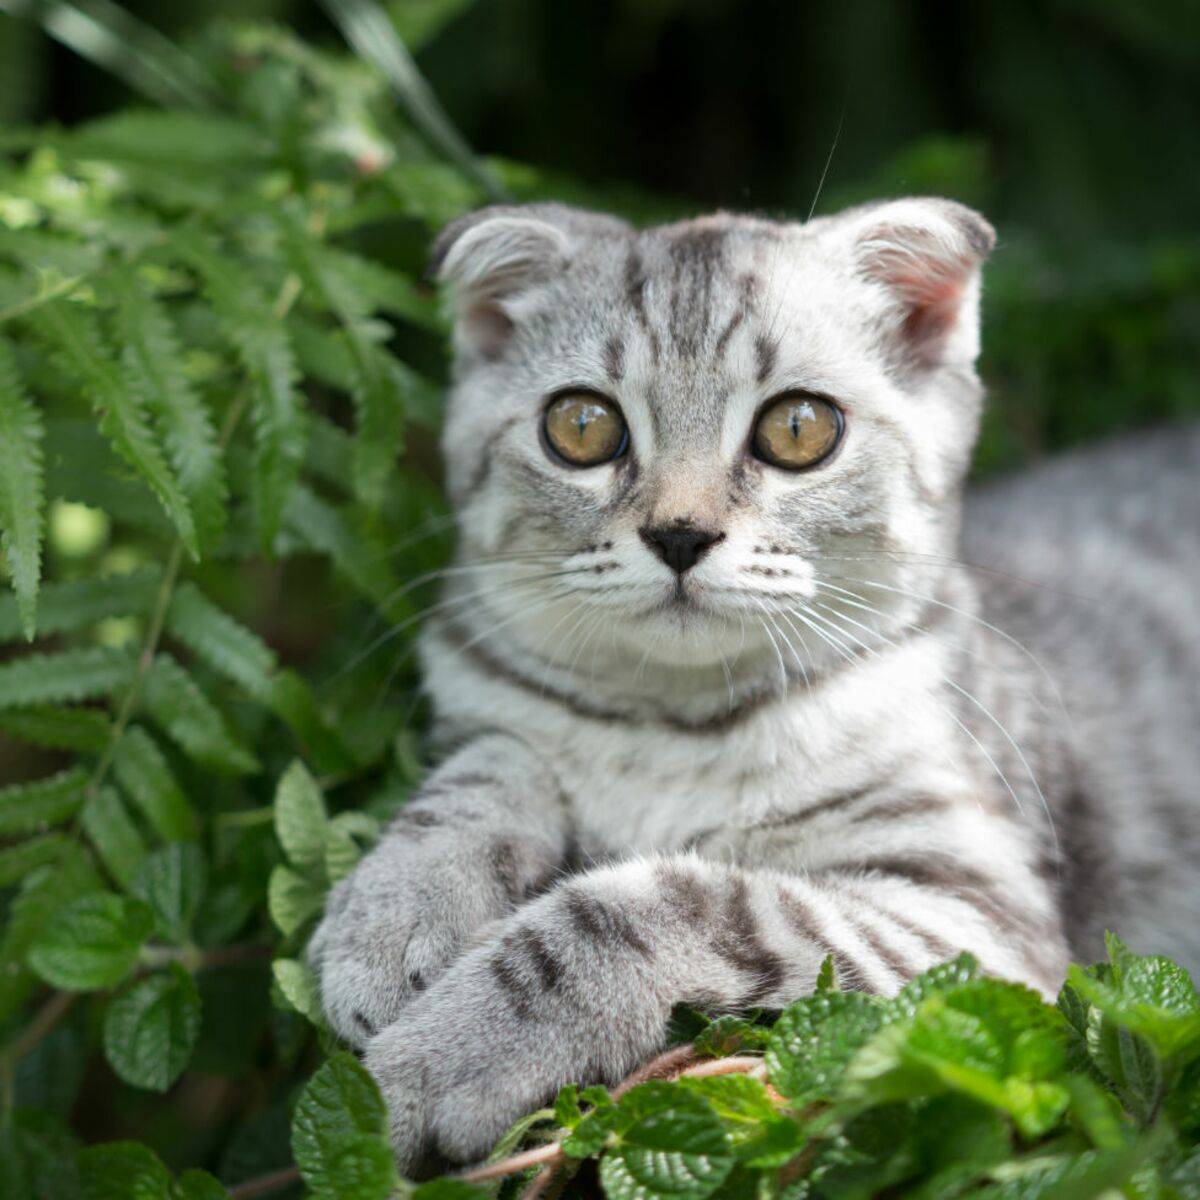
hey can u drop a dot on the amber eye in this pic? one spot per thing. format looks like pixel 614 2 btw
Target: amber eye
pixel 797 431
pixel 585 429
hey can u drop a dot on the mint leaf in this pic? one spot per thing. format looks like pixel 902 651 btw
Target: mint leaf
pixel 730 1035
pixel 300 817
pixel 150 1029
pixel 298 986
pixel 37 1157
pixel 292 899
pixel 172 881
pixel 815 1038
pixel 92 943
pixel 123 1171
pixel 339 1112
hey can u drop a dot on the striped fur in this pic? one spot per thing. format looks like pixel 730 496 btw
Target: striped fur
pixel 830 736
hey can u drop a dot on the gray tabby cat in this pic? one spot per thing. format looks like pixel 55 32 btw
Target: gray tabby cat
pixel 716 693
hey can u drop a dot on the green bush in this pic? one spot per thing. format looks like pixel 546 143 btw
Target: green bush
pixel 214 350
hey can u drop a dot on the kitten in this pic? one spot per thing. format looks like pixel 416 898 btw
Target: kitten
pixel 715 693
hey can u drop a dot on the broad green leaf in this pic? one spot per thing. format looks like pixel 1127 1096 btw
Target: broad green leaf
pixel 80 603
pixel 92 943
pixel 113 834
pixel 57 728
pixel 298 986
pixel 300 817
pixel 293 899
pixel 174 701
pixel 339 1111
pixel 760 1135
pixel 1128 1061
pixel 150 1029
pixel 200 1185
pixel 30 807
pixel 152 360
pixel 941 978
pixel 123 1171
pixel 172 880
pixel 22 489
pixel 342 845
pixel 730 1035
pixel 37 1158
pixel 145 776
pixel 65 677
pixel 675 1146
pixel 82 352
pixel 815 1038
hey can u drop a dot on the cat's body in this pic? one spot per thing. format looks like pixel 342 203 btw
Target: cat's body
pixel 708 717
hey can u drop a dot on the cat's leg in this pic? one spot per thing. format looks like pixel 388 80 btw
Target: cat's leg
pixel 487 830
pixel 579 984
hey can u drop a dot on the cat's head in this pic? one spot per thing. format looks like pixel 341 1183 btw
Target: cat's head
pixel 679 443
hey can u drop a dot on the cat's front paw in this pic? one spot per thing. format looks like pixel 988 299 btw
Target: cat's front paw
pixel 393 927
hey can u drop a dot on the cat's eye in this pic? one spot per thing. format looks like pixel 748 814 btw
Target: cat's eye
pixel 797 431
pixel 585 429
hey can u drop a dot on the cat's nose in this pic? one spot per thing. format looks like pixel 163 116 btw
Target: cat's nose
pixel 681 547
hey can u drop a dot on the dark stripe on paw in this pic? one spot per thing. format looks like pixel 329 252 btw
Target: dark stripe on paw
pixel 804 921
pixel 513 983
pixel 740 943
pixel 602 923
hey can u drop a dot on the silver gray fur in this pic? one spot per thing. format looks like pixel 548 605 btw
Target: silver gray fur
pixel 830 736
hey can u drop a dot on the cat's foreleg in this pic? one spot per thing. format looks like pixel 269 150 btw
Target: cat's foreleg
pixel 487 830
pixel 579 985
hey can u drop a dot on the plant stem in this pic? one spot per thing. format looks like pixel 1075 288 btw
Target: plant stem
pixel 265 1183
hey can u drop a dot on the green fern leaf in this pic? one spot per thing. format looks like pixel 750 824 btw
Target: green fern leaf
pixel 142 770
pixel 82 352
pixel 174 701
pixel 260 337
pixel 113 835
pixel 17 861
pixel 216 638
pixel 80 603
pixel 378 288
pixel 57 728
pixel 22 490
pixel 32 807
pixel 153 362
pixel 66 677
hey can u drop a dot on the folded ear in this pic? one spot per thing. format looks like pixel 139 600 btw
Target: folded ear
pixel 488 257
pixel 927 254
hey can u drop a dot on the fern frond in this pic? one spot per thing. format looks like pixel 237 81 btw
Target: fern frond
pixel 261 340
pixel 66 677
pixel 153 359
pixel 57 728
pixel 377 288
pixel 33 807
pixel 82 352
pixel 174 701
pixel 113 835
pixel 142 770
pixel 217 639
pixel 17 861
pixel 80 603
pixel 22 490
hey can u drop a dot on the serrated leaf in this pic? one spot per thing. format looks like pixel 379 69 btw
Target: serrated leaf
pixel 174 701
pixel 292 899
pixel 37 1158
pixel 730 1035
pixel 941 978
pixel 113 835
pixel 17 861
pixel 57 728
pixel 22 489
pixel 675 1147
pixel 172 881
pixel 827 980
pixel 300 817
pixel 145 776
pixel 338 1111
pixel 123 1171
pixel 343 847
pixel 298 986
pixel 67 677
pixel 82 352
pixel 151 357
pixel 215 637
pixel 200 1185
pixel 150 1029
pixel 33 807
pixel 79 603
pixel 92 943
pixel 814 1040
pixel 260 337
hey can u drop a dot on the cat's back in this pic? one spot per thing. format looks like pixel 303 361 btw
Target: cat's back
pixel 1092 562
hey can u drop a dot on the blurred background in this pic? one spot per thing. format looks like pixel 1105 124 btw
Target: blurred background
pixel 1074 124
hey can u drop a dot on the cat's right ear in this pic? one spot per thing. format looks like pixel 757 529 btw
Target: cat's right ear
pixel 486 259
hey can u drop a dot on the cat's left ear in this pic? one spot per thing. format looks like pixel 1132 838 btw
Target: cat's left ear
pixel 487 258
pixel 927 255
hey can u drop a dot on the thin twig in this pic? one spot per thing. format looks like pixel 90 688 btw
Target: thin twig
pixel 265 1183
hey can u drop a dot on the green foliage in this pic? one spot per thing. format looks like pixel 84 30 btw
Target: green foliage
pixel 219 378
